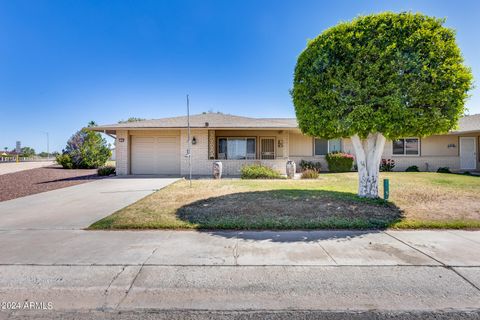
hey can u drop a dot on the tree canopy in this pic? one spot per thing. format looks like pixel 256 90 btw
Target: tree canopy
pixel 27 152
pixel 85 149
pixel 131 119
pixel 396 74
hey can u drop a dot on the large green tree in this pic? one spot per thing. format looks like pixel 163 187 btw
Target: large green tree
pixel 85 149
pixel 27 152
pixel 381 76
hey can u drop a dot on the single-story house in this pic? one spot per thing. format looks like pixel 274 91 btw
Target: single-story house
pixel 160 146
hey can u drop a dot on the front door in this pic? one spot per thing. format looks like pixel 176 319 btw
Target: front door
pixel 267 148
pixel 468 153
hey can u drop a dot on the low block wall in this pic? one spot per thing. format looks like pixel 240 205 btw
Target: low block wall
pixel 426 163
pixel 233 167
pixel 401 163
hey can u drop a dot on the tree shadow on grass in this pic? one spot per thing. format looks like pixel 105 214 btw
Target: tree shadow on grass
pixel 290 209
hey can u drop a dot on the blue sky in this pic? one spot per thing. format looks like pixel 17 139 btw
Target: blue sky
pixel 64 63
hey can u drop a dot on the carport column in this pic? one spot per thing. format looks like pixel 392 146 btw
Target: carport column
pixel 122 152
pixel 211 144
pixel 286 146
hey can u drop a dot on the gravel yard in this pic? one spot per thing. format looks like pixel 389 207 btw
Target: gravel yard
pixel 27 182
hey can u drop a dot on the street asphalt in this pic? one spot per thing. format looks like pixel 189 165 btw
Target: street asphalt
pixel 57 270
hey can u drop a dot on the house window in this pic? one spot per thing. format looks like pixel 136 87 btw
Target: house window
pixel 334 145
pixel 407 146
pixel 236 148
pixel 323 147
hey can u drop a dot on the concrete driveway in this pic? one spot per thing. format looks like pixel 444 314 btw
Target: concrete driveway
pixel 78 206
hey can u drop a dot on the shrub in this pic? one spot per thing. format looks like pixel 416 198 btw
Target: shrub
pixel 310 174
pixel 86 149
pixel 310 165
pixel 64 160
pixel 258 171
pixel 444 170
pixel 412 169
pixel 106 170
pixel 387 165
pixel 339 162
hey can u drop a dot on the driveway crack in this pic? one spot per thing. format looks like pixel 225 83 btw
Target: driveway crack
pixel 235 253
pixel 135 278
pixel 461 236
pixel 327 253
pixel 441 263
pixel 110 284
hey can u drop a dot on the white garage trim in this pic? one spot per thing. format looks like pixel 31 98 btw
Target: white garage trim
pixel 155 155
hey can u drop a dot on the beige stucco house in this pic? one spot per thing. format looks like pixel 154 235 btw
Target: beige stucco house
pixel 160 146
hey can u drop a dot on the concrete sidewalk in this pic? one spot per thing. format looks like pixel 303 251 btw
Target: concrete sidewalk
pixel 435 273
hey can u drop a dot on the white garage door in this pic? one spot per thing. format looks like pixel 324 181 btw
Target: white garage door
pixel 155 155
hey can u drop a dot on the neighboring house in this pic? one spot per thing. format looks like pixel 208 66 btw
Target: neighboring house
pixel 160 146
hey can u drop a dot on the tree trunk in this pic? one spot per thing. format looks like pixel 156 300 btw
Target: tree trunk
pixel 368 153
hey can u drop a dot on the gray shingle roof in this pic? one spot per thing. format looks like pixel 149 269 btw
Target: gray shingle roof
pixel 211 120
pixel 220 120
pixel 469 123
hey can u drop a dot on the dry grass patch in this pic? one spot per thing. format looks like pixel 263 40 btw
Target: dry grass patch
pixel 418 200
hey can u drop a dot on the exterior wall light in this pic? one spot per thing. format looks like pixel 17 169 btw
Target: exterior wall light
pixel 194 140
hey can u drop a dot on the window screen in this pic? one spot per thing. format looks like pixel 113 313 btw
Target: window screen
pixel 236 148
pixel 321 147
pixel 334 145
pixel 411 146
pixel 251 146
pixel 398 146
pixel 222 148
pixel 408 146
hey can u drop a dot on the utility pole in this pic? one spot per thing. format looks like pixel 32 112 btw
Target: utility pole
pixel 189 150
pixel 48 144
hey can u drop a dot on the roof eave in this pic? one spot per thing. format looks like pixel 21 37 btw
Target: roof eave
pixel 464 132
pixel 101 129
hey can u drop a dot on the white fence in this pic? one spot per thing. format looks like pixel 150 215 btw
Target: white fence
pixel 24 159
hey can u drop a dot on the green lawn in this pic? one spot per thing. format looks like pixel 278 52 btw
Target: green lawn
pixel 417 200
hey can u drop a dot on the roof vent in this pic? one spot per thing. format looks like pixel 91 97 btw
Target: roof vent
pixel 206 124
